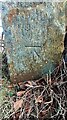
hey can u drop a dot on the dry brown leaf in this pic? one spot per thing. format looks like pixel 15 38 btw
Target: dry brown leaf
pixel 18 104
pixel 27 107
pixel 1 81
pixel 20 83
pixel 10 86
pixel 20 93
pixel 29 84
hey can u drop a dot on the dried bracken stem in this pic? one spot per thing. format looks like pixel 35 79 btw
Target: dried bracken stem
pixel 40 99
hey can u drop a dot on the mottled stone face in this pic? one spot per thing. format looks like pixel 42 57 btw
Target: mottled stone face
pixel 33 37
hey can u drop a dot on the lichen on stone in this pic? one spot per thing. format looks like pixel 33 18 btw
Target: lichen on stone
pixel 33 35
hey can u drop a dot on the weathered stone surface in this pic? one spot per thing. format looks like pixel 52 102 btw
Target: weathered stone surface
pixel 33 37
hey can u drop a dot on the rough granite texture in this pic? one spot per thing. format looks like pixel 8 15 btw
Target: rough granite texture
pixel 33 37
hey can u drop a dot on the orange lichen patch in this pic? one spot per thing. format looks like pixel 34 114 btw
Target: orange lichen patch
pixel 14 12
pixel 11 14
pixel 10 18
